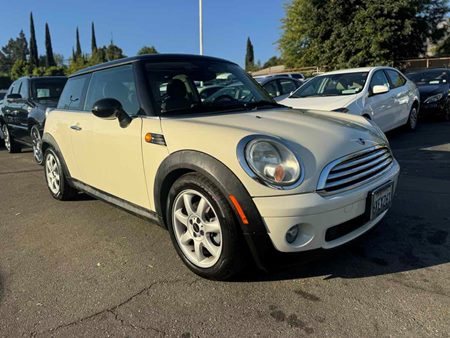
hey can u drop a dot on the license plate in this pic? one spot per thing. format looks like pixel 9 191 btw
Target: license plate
pixel 381 200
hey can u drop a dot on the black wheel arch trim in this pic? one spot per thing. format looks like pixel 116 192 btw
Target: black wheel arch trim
pixel 181 162
pixel 49 141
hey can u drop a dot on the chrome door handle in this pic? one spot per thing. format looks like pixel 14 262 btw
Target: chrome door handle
pixel 75 127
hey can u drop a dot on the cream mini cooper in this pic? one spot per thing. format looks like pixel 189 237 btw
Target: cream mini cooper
pixel 227 174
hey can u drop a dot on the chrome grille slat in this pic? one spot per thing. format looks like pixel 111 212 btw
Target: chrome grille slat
pixel 355 169
pixel 361 160
pixel 361 175
pixel 359 168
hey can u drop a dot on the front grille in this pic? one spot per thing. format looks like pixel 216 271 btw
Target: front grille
pixel 354 170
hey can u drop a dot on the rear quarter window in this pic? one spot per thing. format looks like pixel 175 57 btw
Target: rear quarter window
pixel 72 97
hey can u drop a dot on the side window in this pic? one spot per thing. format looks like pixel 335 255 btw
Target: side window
pixel 379 79
pixel 117 83
pixel 73 93
pixel 397 80
pixel 287 86
pixel 272 88
pixel 24 89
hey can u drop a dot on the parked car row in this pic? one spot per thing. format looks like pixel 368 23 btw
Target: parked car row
pixel 196 145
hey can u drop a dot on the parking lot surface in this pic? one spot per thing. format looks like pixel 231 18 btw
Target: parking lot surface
pixel 85 268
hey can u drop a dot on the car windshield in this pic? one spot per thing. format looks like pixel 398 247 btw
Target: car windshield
pixel 429 77
pixel 182 87
pixel 47 89
pixel 333 85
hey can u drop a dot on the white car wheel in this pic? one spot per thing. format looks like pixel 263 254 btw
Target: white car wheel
pixel 52 171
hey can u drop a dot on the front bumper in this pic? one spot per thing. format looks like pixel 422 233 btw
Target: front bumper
pixel 434 108
pixel 316 214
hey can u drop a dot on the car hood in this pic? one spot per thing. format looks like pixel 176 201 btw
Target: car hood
pixel 317 137
pixel 319 102
pixel 430 90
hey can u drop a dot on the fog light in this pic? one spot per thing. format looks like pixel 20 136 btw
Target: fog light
pixel 291 234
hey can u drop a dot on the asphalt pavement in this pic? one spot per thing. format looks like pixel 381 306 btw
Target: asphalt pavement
pixel 88 269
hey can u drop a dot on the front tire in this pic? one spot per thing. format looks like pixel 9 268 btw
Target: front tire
pixel 57 183
pixel 203 229
pixel 10 144
pixel 411 125
pixel 37 145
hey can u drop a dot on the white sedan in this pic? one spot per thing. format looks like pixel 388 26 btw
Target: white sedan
pixel 381 94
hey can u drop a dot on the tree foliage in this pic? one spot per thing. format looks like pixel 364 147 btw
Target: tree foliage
pixel 34 55
pixel 273 61
pixel 347 33
pixel 49 58
pixel 147 50
pixel 113 52
pixel 78 52
pixel 93 39
pixel 249 56
pixel 21 68
pixel 15 50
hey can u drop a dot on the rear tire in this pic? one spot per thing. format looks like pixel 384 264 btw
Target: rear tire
pixel 10 144
pixel 203 228
pixel 37 145
pixel 57 183
pixel 411 125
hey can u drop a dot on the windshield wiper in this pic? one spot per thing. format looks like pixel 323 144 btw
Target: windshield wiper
pixel 262 104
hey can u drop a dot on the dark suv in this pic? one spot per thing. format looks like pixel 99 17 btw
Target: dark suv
pixel 23 111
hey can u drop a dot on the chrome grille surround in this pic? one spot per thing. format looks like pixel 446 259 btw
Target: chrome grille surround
pixel 354 170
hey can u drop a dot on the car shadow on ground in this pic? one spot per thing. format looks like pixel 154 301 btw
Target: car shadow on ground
pixel 2 287
pixel 414 234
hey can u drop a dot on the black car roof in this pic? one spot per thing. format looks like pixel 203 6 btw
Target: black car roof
pixel 149 57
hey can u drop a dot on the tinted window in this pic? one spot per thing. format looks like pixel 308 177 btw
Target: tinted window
pixel 117 83
pixel 24 89
pixel 272 88
pixel 396 79
pixel 47 89
pixel 437 76
pixel 72 95
pixel 287 86
pixel 379 79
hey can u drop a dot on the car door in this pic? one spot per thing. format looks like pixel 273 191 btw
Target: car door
pixel 12 112
pixel 6 106
pixel 109 157
pixel 22 111
pixel 400 96
pixel 379 106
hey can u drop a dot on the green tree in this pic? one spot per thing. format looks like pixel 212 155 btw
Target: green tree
pixel 249 56
pixel 93 39
pixel 98 56
pixel 21 68
pixel 78 53
pixel 15 50
pixel 348 33
pixel 50 59
pixel 147 50
pixel 113 52
pixel 34 55
pixel 273 61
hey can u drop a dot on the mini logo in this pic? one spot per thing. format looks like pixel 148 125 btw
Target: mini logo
pixel 361 141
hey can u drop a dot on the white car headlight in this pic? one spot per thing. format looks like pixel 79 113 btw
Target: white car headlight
pixel 434 98
pixel 270 161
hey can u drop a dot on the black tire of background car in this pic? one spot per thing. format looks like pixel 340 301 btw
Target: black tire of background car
pixel 14 147
pixel 234 257
pixel 408 124
pixel 66 191
pixel 35 129
pixel 446 113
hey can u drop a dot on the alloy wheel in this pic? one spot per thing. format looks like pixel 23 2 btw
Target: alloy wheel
pixel 6 137
pixel 37 145
pixel 52 173
pixel 197 228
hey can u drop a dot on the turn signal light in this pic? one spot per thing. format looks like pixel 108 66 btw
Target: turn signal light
pixel 148 137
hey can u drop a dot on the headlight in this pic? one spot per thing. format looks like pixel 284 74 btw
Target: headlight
pixel 434 98
pixel 270 161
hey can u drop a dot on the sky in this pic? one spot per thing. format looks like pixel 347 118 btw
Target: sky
pixel 170 25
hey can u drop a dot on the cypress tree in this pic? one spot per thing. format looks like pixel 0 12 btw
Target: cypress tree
pixel 49 60
pixel 249 56
pixel 93 39
pixel 34 57
pixel 78 52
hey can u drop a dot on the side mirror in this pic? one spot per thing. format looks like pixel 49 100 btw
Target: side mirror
pixel 13 97
pixel 110 109
pixel 379 89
